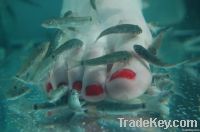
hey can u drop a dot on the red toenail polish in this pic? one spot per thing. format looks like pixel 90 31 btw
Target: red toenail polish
pixel 49 87
pixel 77 85
pixel 123 73
pixel 94 90
pixel 61 84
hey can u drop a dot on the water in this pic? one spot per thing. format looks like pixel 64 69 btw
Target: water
pixel 45 101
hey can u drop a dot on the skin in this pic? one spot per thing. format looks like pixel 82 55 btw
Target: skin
pixel 100 75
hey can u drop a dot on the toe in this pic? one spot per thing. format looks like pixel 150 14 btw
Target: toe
pixel 128 81
pixel 93 83
pixel 75 78
pixel 58 76
pixel 94 78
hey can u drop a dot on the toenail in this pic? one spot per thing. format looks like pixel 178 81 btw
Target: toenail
pixel 94 90
pixel 77 85
pixel 49 87
pixel 123 73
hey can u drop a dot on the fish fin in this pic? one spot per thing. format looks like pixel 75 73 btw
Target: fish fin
pixel 93 4
pixel 28 84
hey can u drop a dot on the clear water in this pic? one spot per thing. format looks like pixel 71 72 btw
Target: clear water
pixel 20 29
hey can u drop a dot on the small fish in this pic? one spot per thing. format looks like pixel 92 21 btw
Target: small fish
pixel 74 102
pixel 93 4
pixel 113 108
pixel 62 101
pixel 16 92
pixel 31 63
pixel 152 59
pixel 122 28
pixel 108 58
pixel 70 44
pixel 59 36
pixel 155 46
pixel 66 22
pixel 160 76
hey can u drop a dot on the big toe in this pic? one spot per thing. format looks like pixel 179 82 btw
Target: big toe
pixel 128 80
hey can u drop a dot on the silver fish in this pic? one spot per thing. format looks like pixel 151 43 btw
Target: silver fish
pixel 152 59
pixel 122 28
pixel 70 44
pixel 160 76
pixel 16 92
pixel 33 60
pixel 66 22
pixel 108 58
pixel 59 36
pixel 155 46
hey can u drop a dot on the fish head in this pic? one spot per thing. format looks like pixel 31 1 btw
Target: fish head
pixel 51 23
pixel 137 48
pixel 16 91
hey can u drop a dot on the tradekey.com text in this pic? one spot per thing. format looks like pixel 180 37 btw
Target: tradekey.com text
pixel 154 122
